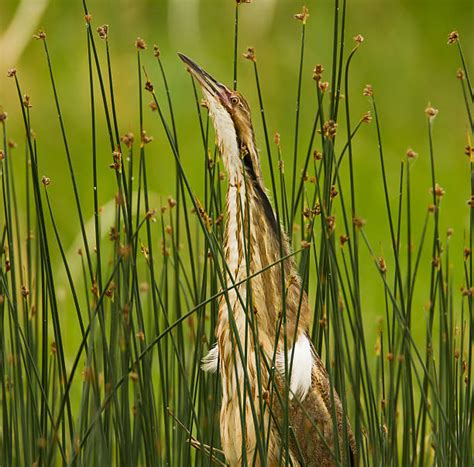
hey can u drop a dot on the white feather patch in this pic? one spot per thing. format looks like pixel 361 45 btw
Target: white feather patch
pixel 209 363
pixel 301 369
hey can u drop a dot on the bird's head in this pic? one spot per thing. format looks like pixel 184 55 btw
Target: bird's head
pixel 230 114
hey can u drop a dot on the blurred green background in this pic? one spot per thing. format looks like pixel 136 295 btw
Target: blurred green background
pixel 405 57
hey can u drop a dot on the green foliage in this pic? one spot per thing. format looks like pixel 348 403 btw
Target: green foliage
pixel 100 349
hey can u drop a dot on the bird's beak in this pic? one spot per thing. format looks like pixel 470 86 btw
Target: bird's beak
pixel 207 82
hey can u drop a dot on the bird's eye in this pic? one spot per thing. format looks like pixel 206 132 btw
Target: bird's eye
pixel 234 100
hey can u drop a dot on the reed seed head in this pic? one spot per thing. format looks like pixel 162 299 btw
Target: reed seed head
pixel 460 74
pixel 367 117
pixel 11 72
pixel 358 222
pixel 453 37
pixel 103 31
pixel 3 116
pixel 140 44
pixel 411 154
pixel 128 139
pixel 250 54
pixel 343 239
pixel 431 112
pixel 382 265
pixel 318 72
pixel 277 138
pixel 24 291
pixel 45 180
pixel 149 86
pixel 145 138
pixel 469 151
pixel 2 155
pixel 358 39
pixel 156 51
pixel 323 86
pixel 153 106
pixel 368 91
pixel 438 191
pixel 40 36
pixel 88 18
pixel 303 16
pixel 330 129
pixel 305 244
pixel 27 101
pixel 467 253
pixel 317 155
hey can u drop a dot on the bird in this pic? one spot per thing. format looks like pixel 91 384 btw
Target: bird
pixel 254 423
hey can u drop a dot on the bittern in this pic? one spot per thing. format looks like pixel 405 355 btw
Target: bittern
pixel 319 432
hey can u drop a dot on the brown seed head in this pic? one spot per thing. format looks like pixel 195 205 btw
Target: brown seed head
pixel 140 44
pixel 411 154
pixel 318 72
pixel 3 116
pixel 11 144
pixel 323 86
pixel 149 86
pixel 331 222
pixel 467 253
pixel 250 54
pixel 88 18
pixel 281 166
pixel 276 138
pixel 333 193
pixel 103 31
pixel 153 106
pixel 317 155
pixel 431 112
pixel 343 239
pixel 330 129
pixel 128 139
pixel 450 232
pixel 438 190
pixel 303 16
pixel 45 180
pixel 469 151
pixel 460 74
pixel 358 39
pixel 382 265
pixel 367 117
pixel 358 222
pixel 11 72
pixel 453 37
pixel 305 244
pixel 150 214
pixel 146 139
pixel 171 202
pixel 2 155
pixel 27 101
pixel 436 262
pixel 24 291
pixel 40 36
pixel 368 91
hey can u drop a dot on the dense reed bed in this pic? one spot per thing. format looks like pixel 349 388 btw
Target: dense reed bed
pixel 114 377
